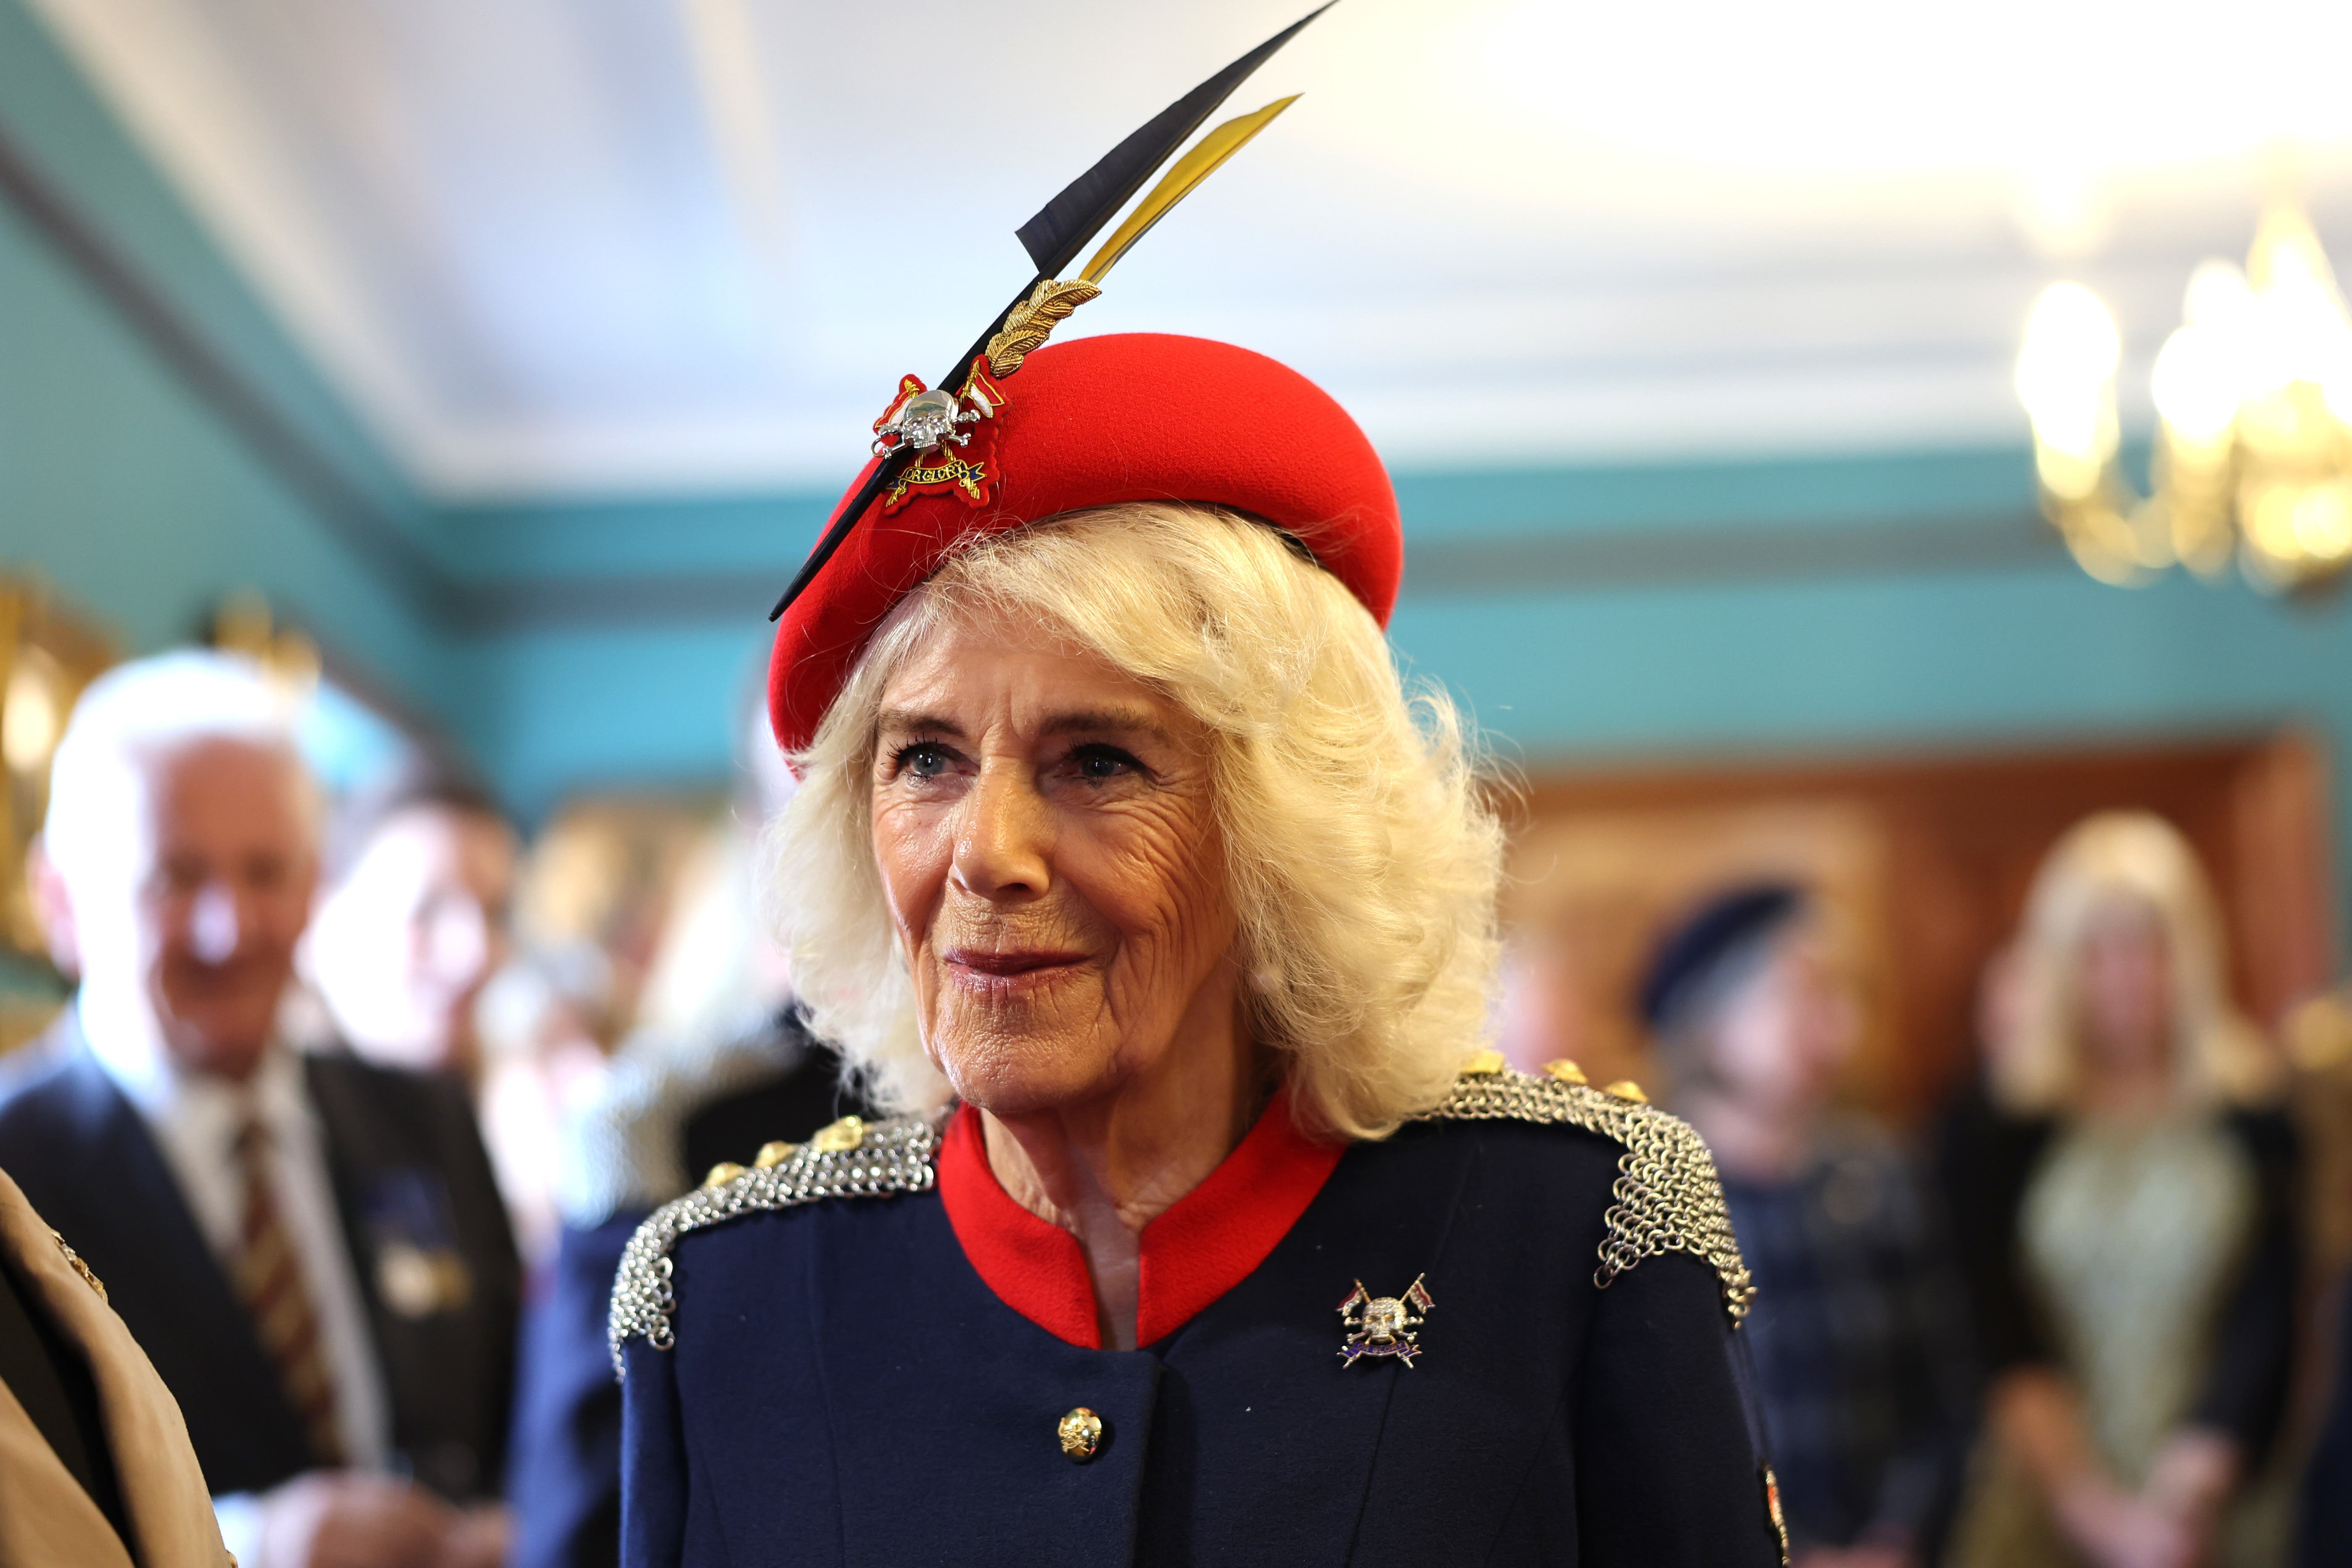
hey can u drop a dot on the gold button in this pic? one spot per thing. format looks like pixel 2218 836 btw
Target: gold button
pixel 774 1154
pixel 1626 1088
pixel 1081 1434
pixel 721 1173
pixel 840 1138
pixel 1565 1070
pixel 1484 1064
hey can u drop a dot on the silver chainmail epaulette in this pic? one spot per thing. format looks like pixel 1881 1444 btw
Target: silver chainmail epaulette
pixel 1668 1197
pixel 888 1158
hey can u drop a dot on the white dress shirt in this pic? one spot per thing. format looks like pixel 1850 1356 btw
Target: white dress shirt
pixel 196 1118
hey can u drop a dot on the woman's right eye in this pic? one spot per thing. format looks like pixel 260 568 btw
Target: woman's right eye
pixel 924 759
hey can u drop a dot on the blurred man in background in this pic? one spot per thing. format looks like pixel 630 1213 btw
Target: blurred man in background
pixel 1857 1337
pixel 411 920
pixel 299 1242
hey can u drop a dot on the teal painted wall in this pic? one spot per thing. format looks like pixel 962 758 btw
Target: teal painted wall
pixel 555 710
pixel 115 481
pixel 1878 663
pixel 2034 651
pixel 139 502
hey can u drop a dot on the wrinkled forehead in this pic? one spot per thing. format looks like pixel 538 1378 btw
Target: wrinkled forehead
pixel 970 671
pixel 227 791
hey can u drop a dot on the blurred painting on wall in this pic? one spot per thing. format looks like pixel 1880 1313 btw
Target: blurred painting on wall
pixel 48 652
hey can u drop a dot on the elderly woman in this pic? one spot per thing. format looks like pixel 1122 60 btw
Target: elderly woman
pixel 1125 869
pixel 2124 1206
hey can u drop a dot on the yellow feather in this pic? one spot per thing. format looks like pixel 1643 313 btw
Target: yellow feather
pixel 1192 168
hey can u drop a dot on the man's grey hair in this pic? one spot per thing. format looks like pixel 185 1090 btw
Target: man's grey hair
pixel 148 708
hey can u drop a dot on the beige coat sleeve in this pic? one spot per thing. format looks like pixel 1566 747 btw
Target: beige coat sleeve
pixel 46 1517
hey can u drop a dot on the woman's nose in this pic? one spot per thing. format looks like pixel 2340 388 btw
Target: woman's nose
pixel 1003 845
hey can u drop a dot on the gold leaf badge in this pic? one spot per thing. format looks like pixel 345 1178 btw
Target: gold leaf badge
pixel 1033 321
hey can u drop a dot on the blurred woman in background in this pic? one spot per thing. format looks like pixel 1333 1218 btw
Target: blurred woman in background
pixel 415 877
pixel 2124 1208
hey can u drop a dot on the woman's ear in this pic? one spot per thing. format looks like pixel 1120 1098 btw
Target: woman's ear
pixel 53 903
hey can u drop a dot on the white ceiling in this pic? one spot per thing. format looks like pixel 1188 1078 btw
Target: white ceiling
pixel 580 246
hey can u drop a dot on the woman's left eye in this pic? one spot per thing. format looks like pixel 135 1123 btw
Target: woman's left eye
pixel 1097 764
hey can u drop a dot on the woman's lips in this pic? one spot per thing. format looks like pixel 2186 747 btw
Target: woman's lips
pixel 1002 970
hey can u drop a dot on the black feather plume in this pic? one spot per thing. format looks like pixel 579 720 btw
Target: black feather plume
pixel 1064 226
pixel 1053 238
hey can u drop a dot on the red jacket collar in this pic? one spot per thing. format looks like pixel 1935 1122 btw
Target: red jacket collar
pixel 1203 1246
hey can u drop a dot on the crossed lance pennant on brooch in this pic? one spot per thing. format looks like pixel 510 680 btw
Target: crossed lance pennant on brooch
pixel 1383 1325
pixel 925 441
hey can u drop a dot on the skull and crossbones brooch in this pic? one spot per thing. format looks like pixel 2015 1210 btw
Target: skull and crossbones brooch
pixel 1383 1325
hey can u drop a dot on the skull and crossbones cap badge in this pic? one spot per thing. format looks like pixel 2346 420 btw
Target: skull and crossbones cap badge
pixel 1020 430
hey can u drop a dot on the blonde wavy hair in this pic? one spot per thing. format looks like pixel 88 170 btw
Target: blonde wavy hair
pixel 1359 852
pixel 2122 863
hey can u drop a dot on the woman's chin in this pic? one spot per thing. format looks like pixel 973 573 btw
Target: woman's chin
pixel 1026 1074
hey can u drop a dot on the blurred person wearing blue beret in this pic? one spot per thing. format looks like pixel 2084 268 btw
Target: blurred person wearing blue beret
pixel 1861 1351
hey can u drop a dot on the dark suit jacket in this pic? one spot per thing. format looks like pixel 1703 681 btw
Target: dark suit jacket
pixel 409 1171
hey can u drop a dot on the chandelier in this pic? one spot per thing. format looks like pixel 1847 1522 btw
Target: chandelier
pixel 2253 399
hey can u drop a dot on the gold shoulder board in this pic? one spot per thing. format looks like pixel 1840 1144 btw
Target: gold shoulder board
pixel 1667 1196
pixel 849 1160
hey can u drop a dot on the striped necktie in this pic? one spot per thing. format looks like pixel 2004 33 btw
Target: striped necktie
pixel 269 1276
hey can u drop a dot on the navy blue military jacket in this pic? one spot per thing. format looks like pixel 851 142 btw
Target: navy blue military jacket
pixel 817 1371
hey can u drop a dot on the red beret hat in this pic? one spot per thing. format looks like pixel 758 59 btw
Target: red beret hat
pixel 1091 422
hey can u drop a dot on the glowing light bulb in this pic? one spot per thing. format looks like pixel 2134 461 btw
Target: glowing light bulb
pixel 2219 297
pixel 2063 377
pixel 2298 329
pixel 28 719
pixel 2269 516
pixel 2071 346
pixel 2196 384
pixel 2323 523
